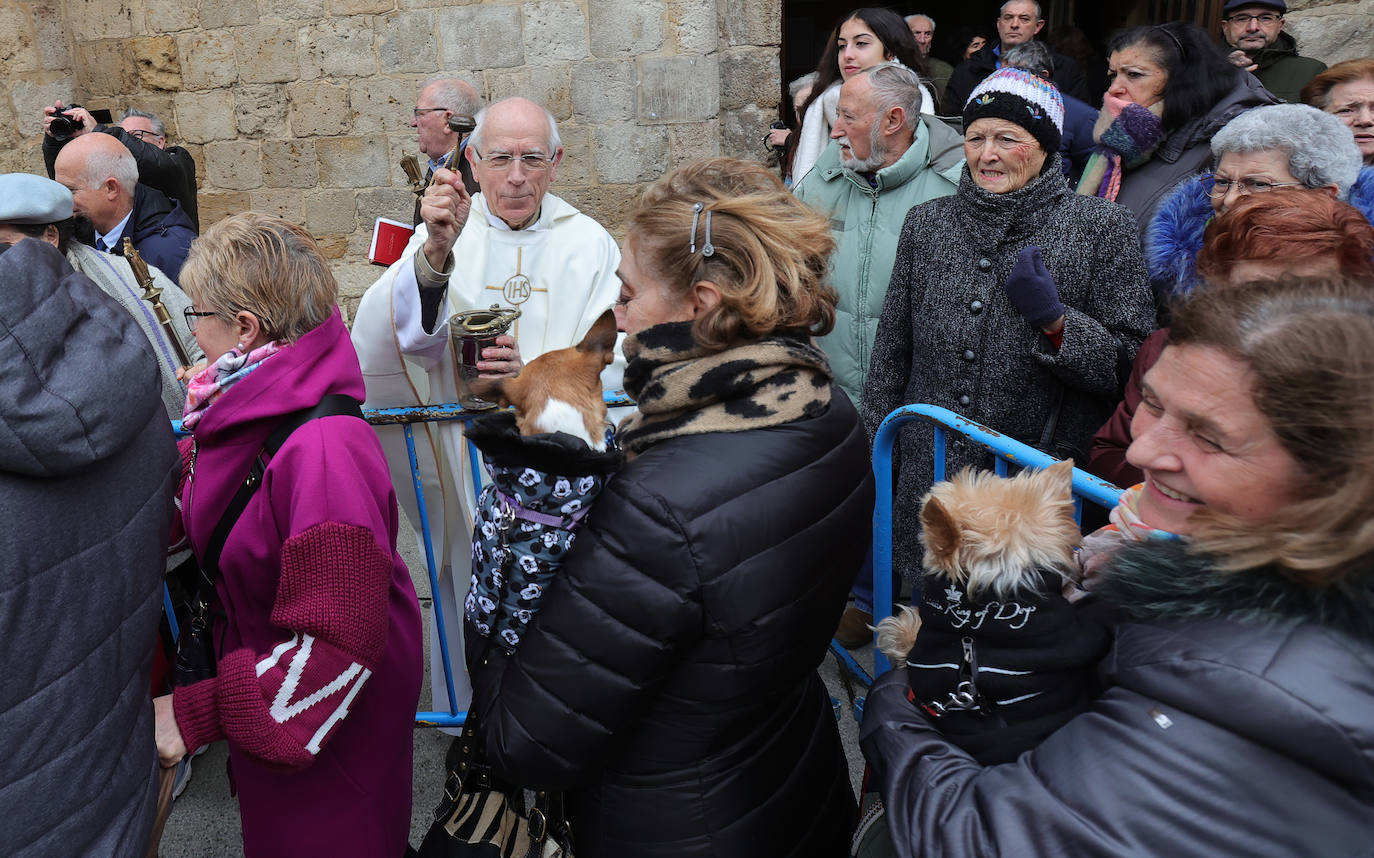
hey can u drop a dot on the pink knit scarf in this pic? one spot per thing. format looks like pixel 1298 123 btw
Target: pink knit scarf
pixel 210 383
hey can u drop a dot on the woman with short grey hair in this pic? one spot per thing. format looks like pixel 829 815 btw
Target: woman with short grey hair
pixel 1277 146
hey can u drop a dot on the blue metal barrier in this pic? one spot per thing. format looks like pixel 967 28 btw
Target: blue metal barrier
pixel 1007 450
pixel 406 418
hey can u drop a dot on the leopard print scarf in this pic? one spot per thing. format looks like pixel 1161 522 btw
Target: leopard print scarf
pixel 683 389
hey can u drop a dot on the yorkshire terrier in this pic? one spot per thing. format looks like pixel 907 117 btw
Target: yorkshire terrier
pixel 1002 659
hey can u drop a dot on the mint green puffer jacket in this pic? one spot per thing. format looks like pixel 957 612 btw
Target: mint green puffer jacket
pixel 866 222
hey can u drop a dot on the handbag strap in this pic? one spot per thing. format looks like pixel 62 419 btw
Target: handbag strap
pixel 332 405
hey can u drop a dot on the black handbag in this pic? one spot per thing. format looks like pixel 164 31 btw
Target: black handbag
pixel 481 817
pixel 195 656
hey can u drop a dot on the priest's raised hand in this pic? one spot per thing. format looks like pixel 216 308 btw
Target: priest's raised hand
pixel 444 209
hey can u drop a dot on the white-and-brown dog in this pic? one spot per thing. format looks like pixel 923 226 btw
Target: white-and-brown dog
pixel 548 461
pixel 996 654
pixel 560 391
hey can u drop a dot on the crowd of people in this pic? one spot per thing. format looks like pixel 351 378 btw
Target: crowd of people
pixel 1168 279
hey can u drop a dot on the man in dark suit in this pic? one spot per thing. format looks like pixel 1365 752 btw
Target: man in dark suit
pixel 103 178
pixel 1018 22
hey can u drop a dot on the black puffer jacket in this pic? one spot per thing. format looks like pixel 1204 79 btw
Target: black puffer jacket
pixel 670 678
pixel 1237 723
pixel 87 471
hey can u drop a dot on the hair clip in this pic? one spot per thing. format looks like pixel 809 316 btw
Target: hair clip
pixel 707 249
pixel 1166 31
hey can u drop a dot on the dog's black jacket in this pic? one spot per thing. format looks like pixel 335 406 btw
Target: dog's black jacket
pixel 1037 657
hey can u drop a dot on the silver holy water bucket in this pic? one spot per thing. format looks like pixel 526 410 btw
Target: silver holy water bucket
pixel 471 331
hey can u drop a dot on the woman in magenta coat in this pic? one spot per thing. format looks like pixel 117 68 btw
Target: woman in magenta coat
pixel 318 645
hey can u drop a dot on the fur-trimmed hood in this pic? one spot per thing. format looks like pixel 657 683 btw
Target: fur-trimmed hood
pixel 1169 581
pixel 1362 193
pixel 1174 238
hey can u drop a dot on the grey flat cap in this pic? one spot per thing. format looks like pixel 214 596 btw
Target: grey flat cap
pixel 26 198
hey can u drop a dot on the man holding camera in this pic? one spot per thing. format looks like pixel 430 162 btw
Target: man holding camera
pixel 169 169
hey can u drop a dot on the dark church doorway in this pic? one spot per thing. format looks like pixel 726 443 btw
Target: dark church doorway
pixel 807 25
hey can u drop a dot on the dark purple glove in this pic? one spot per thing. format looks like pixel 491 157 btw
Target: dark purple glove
pixel 1031 290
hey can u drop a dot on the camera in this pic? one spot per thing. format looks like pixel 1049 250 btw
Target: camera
pixel 64 124
pixel 775 124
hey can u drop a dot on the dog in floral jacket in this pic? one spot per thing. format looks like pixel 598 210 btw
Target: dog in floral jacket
pixel 541 488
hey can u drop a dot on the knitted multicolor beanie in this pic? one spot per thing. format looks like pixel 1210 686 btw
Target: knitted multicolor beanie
pixel 1126 135
pixel 1022 98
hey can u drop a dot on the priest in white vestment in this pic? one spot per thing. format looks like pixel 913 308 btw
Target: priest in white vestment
pixel 511 245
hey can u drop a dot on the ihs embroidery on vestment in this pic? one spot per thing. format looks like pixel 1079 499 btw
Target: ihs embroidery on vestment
pixel 517 288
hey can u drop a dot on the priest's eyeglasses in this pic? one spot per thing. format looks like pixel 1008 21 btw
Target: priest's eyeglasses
pixel 534 162
pixel 1221 185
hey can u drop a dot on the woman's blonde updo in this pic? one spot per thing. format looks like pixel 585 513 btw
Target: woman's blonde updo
pixel 265 265
pixel 770 256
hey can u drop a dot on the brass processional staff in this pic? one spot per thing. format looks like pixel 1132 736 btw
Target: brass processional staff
pixel 458 123
pixel 153 295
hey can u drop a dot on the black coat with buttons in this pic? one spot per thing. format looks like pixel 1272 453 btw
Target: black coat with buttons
pixel 949 336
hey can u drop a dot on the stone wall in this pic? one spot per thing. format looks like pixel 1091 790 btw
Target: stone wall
pixel 301 108
pixel 1332 30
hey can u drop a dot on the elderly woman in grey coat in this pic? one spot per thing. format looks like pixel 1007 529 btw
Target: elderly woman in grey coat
pixel 1278 146
pixel 1015 302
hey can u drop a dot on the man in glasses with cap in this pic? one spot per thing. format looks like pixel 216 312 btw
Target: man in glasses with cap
pixel 1253 29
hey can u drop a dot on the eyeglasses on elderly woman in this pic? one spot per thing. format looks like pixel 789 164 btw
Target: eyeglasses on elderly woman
pixel 191 315
pixel 1222 185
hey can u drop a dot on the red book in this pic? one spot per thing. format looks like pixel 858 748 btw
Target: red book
pixel 389 238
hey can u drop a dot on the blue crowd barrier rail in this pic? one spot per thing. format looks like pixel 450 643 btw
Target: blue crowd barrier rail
pixel 1007 451
pixel 406 418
